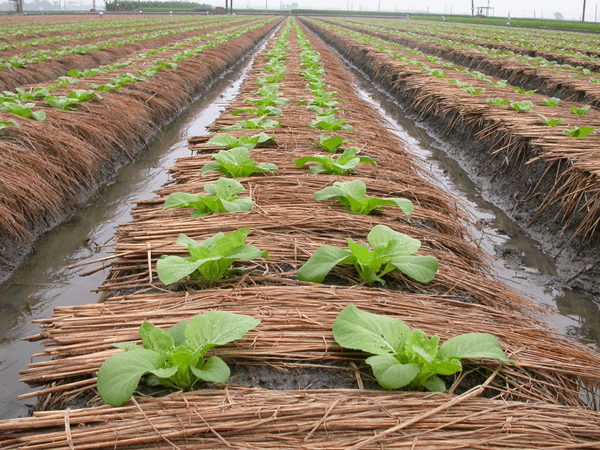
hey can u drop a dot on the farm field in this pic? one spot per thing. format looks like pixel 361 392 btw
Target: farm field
pixel 309 134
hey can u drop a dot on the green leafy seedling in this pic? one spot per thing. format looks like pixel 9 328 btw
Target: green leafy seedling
pixel 351 194
pixel 225 140
pixel 390 250
pixel 24 110
pixel 580 111
pixel 405 357
pixel 343 165
pixel 551 102
pixel 330 123
pixel 579 132
pixel 222 198
pixel 497 101
pixel 7 123
pixel 260 123
pixel 551 122
pixel 330 144
pixel 522 107
pixel 236 163
pixel 172 358
pixel 208 260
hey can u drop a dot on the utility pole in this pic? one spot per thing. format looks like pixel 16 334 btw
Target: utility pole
pixel 473 7
pixel 583 13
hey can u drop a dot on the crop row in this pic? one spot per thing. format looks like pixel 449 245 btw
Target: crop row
pixel 548 72
pixel 74 158
pixel 293 217
pixel 567 47
pixel 27 59
pixel 500 123
pixel 48 42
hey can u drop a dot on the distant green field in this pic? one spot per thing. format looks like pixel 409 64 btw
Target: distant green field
pixel 540 23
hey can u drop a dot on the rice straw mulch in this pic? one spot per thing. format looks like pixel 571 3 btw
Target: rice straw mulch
pixel 44 178
pixel 295 330
pixel 567 188
pixel 558 377
pixel 335 419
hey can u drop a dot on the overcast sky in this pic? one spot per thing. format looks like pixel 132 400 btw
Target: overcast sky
pixel 518 8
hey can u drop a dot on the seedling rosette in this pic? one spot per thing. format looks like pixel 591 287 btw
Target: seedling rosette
pixel 236 163
pixel 226 140
pixel 351 194
pixel 405 357
pixel 172 358
pixel 389 250
pixel 222 198
pixel 343 165
pixel 209 260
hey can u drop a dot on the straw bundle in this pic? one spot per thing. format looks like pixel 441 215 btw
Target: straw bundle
pixel 295 328
pixel 337 419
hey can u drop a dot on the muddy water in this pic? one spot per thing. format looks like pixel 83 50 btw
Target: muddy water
pixel 518 260
pixel 48 279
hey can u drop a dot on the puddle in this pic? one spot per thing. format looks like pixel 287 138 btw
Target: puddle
pixel 45 280
pixel 519 261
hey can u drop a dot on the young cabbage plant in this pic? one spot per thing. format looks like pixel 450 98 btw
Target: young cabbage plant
pixel 24 110
pixel 172 358
pixel 551 102
pixel 551 122
pixel 579 132
pixel 580 111
pixel 330 123
pixel 497 101
pixel 209 260
pixel 330 144
pixel 389 250
pixel 260 123
pixel 405 357
pixel 521 107
pixel 343 165
pixel 7 123
pixel 236 163
pixel 222 198
pixel 226 140
pixel 351 194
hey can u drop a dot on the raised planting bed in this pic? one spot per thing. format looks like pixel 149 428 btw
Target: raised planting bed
pixel 546 178
pixel 292 382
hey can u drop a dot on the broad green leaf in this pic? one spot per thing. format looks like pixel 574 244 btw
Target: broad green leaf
pixel 223 140
pixel 155 339
pixel 552 102
pixel 580 111
pixel 174 268
pixel 321 262
pixel 551 122
pixel 579 132
pixel 419 268
pixel 390 373
pixel 120 374
pixel 217 328
pixel 372 333
pixel 473 345
pixel 177 332
pixel 214 370
pixel 381 236
pixel 434 384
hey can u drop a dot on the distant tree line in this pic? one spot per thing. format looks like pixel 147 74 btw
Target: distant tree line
pixel 133 5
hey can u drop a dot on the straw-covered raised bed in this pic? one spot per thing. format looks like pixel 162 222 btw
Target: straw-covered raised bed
pixel 335 419
pixel 547 180
pixel 334 401
pixel 49 168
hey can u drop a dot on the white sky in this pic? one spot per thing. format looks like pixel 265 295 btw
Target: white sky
pixel 570 10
